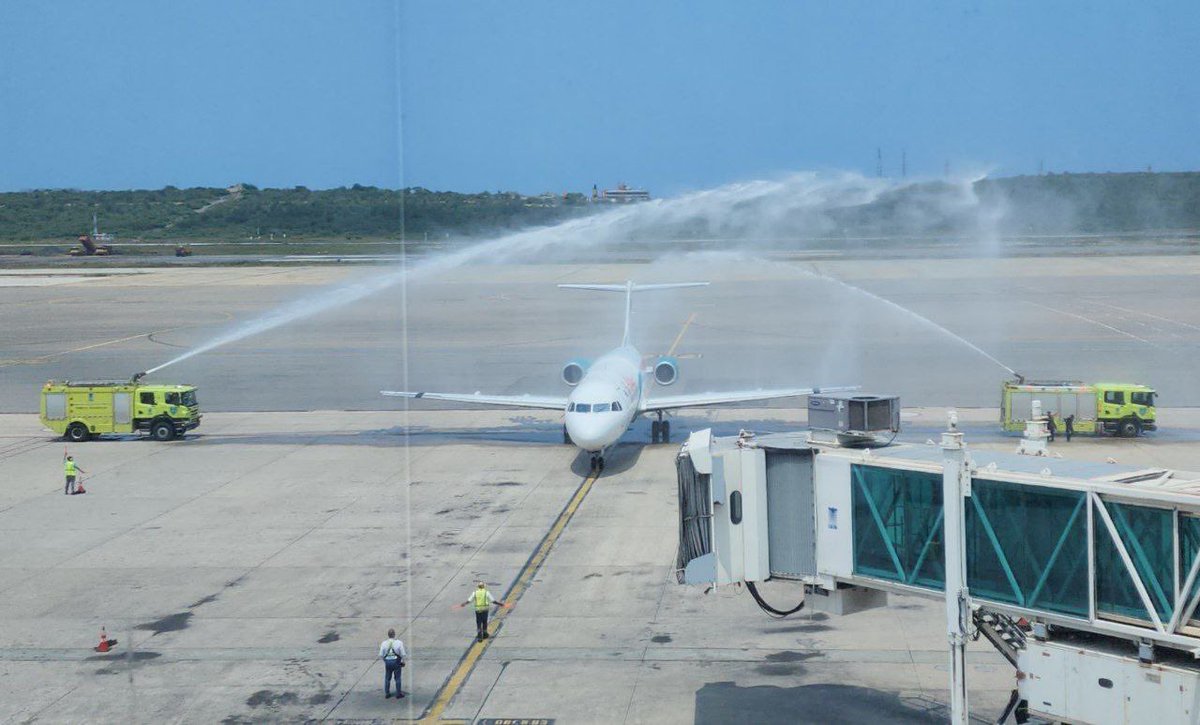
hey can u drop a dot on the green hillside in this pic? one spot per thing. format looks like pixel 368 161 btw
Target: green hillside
pixel 1017 206
pixel 1091 203
pixel 243 211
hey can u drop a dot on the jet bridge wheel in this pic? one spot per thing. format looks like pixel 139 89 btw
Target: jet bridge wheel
pixel 655 430
pixel 566 435
pixel 664 431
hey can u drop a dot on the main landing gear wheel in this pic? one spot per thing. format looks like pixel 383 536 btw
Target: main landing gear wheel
pixel 660 430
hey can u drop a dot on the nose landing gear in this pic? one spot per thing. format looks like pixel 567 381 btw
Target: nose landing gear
pixel 597 462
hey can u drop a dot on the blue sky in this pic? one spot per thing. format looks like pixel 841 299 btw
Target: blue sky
pixel 537 96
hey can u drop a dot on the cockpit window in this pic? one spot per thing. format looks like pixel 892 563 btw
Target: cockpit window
pixel 570 407
pixel 616 406
pixel 583 408
pixel 600 408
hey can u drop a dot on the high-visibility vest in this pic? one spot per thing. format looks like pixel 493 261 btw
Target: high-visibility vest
pixel 481 600
pixel 69 467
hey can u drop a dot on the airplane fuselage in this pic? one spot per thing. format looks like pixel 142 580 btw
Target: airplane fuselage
pixel 604 403
pixel 609 394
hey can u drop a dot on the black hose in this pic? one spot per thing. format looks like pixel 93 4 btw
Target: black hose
pixel 767 607
pixel 1012 704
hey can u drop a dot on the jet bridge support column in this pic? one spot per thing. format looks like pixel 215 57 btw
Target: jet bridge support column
pixel 956 483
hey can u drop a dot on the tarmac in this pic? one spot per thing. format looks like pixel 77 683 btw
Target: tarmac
pixel 507 329
pixel 250 570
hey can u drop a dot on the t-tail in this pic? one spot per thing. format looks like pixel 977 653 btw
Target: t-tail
pixel 629 288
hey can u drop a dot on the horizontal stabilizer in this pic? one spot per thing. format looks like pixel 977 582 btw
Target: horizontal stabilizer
pixel 629 288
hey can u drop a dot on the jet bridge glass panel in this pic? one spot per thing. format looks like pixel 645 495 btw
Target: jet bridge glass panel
pixel 898 526
pixel 1027 545
pixel 1149 538
pixel 1189 549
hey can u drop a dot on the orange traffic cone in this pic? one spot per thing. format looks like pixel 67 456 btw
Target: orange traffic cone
pixel 104 644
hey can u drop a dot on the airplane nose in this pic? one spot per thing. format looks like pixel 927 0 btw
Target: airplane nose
pixel 586 432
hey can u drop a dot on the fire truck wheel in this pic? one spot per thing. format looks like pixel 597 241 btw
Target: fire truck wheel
pixel 1130 428
pixel 163 431
pixel 78 432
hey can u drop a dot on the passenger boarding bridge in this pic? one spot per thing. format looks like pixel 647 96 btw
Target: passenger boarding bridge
pixel 1070 546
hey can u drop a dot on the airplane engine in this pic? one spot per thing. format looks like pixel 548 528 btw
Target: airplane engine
pixel 666 371
pixel 573 371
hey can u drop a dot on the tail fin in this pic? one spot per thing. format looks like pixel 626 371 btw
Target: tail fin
pixel 629 288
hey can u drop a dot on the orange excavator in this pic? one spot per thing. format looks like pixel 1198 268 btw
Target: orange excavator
pixel 88 248
pixel 87 243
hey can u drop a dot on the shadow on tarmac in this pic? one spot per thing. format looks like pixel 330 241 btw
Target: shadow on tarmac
pixel 725 702
pixel 620 458
pixel 526 431
pixel 521 431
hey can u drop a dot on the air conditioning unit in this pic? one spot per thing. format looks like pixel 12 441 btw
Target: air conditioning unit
pixel 854 418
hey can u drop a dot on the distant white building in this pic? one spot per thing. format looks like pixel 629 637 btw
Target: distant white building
pixel 620 195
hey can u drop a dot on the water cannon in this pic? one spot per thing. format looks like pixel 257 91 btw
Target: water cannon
pixel 1020 378
pixel 134 380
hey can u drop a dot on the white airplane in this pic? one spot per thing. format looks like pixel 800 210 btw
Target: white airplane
pixel 611 392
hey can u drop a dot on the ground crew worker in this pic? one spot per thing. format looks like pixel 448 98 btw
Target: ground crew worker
pixel 394 656
pixel 482 601
pixel 1069 426
pixel 1050 424
pixel 71 470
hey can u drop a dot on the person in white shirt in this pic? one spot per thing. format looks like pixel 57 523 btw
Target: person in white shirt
pixel 391 650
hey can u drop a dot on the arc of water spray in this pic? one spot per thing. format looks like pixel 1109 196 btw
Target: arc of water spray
pixel 346 294
pixel 488 251
pixel 749 210
pixel 915 315
pixel 712 208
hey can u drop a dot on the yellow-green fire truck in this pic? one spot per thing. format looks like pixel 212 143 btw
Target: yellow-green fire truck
pixel 1122 409
pixel 80 410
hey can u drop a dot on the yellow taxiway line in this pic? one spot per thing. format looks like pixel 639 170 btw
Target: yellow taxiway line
pixel 458 677
pixel 50 356
pixel 679 337
pixel 47 358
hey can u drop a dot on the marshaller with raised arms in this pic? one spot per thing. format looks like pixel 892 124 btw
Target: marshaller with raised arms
pixel 609 393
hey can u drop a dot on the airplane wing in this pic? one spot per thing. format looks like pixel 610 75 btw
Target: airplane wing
pixel 507 401
pixel 699 400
